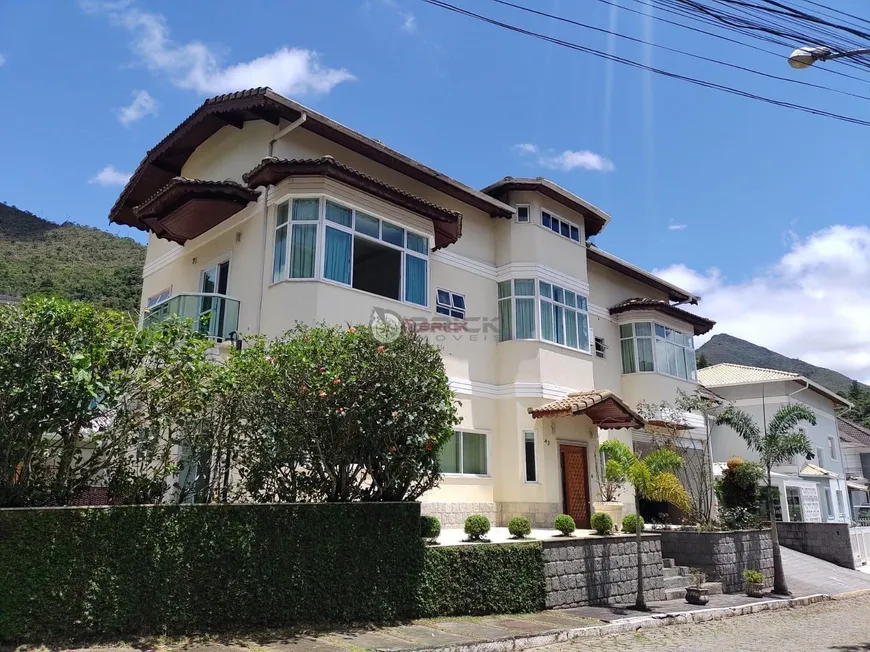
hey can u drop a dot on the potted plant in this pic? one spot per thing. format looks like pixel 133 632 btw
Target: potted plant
pixel 754 583
pixel 696 593
pixel 611 479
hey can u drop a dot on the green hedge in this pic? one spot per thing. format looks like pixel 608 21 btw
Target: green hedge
pixel 482 579
pixel 75 573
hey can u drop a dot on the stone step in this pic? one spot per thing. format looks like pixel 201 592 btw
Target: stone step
pixel 668 563
pixel 677 582
pixel 677 571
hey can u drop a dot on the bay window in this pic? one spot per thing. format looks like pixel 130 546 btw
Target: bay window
pixel 516 309
pixel 648 346
pixel 563 317
pixel 359 250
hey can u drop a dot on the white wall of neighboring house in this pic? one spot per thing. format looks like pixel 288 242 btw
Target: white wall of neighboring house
pixel 496 382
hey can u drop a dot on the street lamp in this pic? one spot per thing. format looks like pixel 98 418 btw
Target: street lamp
pixel 806 56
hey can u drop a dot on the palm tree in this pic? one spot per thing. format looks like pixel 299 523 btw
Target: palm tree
pixel 778 444
pixel 653 479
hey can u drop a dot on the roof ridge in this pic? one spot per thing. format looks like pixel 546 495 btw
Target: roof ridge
pixel 746 366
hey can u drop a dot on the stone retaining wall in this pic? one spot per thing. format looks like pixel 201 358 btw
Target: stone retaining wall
pixel 723 556
pixel 828 541
pixel 601 570
pixel 453 515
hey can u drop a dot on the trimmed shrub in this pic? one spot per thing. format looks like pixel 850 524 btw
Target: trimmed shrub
pixel 430 527
pixel 138 569
pixel 630 523
pixel 480 580
pixel 602 523
pixel 476 526
pixel 519 527
pixel 565 524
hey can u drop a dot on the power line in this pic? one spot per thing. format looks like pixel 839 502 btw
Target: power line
pixel 682 52
pixel 700 82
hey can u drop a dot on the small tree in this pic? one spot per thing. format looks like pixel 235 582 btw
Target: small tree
pixel 777 444
pixel 653 479
pixel 739 493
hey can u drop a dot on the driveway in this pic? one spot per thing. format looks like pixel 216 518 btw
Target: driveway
pixel 806 575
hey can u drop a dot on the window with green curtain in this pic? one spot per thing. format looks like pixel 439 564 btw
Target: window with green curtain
pixel 306 210
pixel 505 312
pixel 337 255
pixel 563 317
pixel 525 319
pixel 628 362
pixel 645 360
pixel 449 456
pixel 547 329
pixel 339 214
pixel 474 453
pixel 583 327
pixel 303 245
pixel 279 267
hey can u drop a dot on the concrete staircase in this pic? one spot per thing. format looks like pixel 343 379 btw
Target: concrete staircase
pixel 677 578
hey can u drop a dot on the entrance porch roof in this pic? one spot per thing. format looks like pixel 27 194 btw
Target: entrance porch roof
pixel 603 407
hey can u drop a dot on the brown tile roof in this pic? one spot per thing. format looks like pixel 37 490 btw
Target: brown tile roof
pixel 605 408
pixel 179 189
pixel 701 324
pixel 272 170
pixel 853 433
pixel 596 219
pixel 168 157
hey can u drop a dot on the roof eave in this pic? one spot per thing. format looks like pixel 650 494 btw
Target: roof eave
pixel 617 264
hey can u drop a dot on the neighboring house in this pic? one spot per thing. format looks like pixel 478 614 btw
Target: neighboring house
pixel 810 490
pixel 855 442
pixel 262 212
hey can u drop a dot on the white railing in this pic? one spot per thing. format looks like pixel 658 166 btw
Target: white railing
pixel 860 537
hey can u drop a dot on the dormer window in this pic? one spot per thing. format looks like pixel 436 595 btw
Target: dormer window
pixel 560 226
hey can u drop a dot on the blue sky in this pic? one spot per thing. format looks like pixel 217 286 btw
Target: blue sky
pixel 761 208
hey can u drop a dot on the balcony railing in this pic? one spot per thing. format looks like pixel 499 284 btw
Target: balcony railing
pixel 213 315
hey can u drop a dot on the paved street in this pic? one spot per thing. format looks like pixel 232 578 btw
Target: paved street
pixel 838 625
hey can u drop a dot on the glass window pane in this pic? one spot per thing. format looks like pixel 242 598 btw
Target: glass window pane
pixel 571 328
pixel 418 244
pixel 393 234
pixel 566 230
pixel 559 323
pixel 570 299
pixel 306 209
pixel 524 287
pixel 662 355
pixel 458 301
pixel 545 219
pixel 442 310
pixel 682 372
pixel 449 455
pixel 558 294
pixel 554 225
pixel 575 234
pixel 337 255
pixel 474 453
pixel 279 264
pixel 282 213
pixel 643 329
pixel 459 314
pixel 525 319
pixel 660 330
pixel 690 342
pixel 625 330
pixel 691 365
pixel 339 214
pixel 368 225
pixel 505 316
pixel 522 213
pixel 504 289
pixel 443 297
pixel 546 290
pixel 673 369
pixel 531 468
pixel 628 366
pixel 583 327
pixel 416 279
pixel 547 322
pixel 303 238
pixel 581 303
pixel 645 354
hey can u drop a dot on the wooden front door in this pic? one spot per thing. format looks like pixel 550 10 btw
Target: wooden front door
pixel 575 484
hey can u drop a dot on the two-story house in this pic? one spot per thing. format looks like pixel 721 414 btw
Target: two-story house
pixel 262 212
pixel 855 443
pixel 809 490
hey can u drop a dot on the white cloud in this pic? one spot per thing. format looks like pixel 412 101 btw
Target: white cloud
pixel 109 176
pixel 676 227
pixel 567 160
pixel 409 23
pixel 813 304
pixel 195 66
pixel 143 104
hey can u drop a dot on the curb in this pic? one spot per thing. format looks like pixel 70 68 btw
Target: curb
pixel 851 594
pixel 526 641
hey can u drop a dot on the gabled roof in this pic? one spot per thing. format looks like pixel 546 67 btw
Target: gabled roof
pixel 701 324
pixel 596 219
pixel 168 157
pixel 726 373
pixel 603 407
pixel 610 261
pixel 853 433
pixel 816 471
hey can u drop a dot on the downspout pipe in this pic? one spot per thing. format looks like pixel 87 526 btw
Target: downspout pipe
pixel 278 136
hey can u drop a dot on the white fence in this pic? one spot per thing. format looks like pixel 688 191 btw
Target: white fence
pixel 860 537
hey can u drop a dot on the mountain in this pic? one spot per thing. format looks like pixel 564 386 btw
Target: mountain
pixel 725 348
pixel 69 260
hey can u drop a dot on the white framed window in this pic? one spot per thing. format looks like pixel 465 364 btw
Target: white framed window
pixel 516 309
pixel 828 503
pixel 832 448
pixel 820 456
pixel 160 297
pixel 530 456
pixel 564 319
pixel 600 347
pixel 560 226
pixel 524 213
pixel 316 237
pixel 840 504
pixel 451 304
pixel 466 453
pixel 648 346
